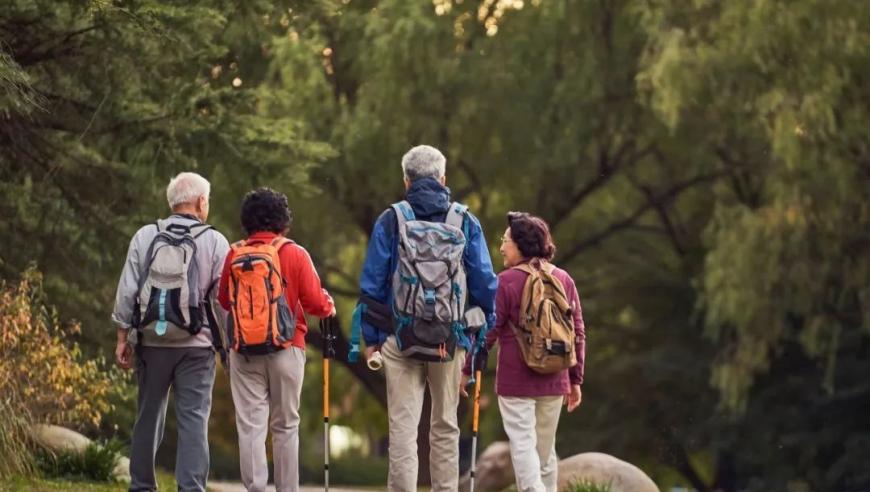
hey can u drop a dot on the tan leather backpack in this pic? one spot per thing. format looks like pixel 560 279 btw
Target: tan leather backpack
pixel 546 326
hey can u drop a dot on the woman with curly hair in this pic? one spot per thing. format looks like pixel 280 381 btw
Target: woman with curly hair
pixel 530 402
pixel 266 377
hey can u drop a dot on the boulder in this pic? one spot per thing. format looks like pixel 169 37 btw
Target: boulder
pixel 496 472
pixel 56 439
pixel 603 468
pixel 494 469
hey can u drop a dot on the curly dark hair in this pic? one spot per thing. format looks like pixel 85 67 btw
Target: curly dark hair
pixel 265 209
pixel 531 235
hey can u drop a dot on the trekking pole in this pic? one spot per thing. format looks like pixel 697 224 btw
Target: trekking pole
pixel 328 335
pixel 478 375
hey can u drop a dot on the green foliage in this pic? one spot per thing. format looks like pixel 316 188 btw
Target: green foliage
pixel 349 469
pixel 703 166
pixel 586 486
pixel 97 462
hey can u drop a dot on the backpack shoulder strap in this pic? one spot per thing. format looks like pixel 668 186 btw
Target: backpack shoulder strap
pixel 456 215
pixel 525 267
pixel 281 241
pixel 404 213
pixel 202 229
pixel 548 267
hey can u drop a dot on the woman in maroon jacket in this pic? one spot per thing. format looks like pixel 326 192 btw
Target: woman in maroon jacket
pixel 529 402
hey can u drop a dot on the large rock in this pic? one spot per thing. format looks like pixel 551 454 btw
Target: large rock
pixel 56 439
pixel 496 472
pixel 494 469
pixel 603 468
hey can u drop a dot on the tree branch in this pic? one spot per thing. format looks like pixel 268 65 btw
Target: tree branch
pixel 659 200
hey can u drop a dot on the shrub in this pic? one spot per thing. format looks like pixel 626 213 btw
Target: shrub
pixel 97 462
pixel 584 485
pixel 44 377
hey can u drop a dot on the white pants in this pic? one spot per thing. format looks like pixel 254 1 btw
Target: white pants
pixel 530 424
pixel 266 390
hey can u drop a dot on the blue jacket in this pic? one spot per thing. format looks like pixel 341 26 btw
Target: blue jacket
pixel 430 201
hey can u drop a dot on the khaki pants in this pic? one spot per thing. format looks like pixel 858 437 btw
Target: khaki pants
pixel 406 380
pixel 530 424
pixel 266 390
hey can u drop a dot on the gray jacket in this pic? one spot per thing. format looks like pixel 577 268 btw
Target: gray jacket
pixel 212 248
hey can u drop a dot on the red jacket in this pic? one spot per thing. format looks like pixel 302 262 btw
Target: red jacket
pixel 303 285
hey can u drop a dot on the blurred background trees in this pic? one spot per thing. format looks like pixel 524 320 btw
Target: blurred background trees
pixel 704 166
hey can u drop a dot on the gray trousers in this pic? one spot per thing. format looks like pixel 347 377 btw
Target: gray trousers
pixel 190 374
pixel 266 391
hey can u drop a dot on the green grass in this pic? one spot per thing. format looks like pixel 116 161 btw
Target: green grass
pixel 586 486
pixel 165 481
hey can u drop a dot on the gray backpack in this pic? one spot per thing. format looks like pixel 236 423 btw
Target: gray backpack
pixel 168 304
pixel 429 288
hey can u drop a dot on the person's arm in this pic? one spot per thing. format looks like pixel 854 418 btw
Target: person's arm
pixel 128 288
pixel 374 280
pixel 125 303
pixel 312 297
pixel 481 279
pixel 502 308
pixel 576 372
pixel 224 285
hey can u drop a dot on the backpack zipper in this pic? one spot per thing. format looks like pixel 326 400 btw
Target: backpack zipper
pixel 251 300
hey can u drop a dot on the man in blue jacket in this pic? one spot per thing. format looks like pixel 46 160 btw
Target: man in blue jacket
pixel 427 199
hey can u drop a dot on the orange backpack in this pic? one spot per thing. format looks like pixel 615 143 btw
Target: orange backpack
pixel 260 320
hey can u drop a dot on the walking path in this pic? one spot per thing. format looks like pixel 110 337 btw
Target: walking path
pixel 238 487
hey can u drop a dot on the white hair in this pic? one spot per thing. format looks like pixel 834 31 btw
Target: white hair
pixel 186 188
pixel 423 161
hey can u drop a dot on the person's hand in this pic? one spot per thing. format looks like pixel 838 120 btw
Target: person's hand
pixel 331 311
pixel 124 355
pixel 574 398
pixel 370 351
pixel 463 384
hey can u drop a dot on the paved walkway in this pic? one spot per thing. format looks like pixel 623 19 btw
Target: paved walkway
pixel 237 487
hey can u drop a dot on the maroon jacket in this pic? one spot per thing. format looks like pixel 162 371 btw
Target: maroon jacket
pixel 513 377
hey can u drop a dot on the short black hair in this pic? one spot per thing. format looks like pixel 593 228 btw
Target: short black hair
pixel 265 209
pixel 531 235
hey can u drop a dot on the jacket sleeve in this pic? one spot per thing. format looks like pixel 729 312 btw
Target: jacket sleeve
pixel 502 307
pixel 375 277
pixel 482 281
pixel 224 285
pixel 218 259
pixel 313 298
pixel 128 287
pixel 576 372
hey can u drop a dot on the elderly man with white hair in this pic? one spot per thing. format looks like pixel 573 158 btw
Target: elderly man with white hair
pixel 164 313
pixel 426 283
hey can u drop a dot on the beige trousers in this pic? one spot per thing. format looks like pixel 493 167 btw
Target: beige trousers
pixel 266 390
pixel 530 424
pixel 406 383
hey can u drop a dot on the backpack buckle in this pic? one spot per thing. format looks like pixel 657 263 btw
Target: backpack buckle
pixel 429 296
pixel 429 299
